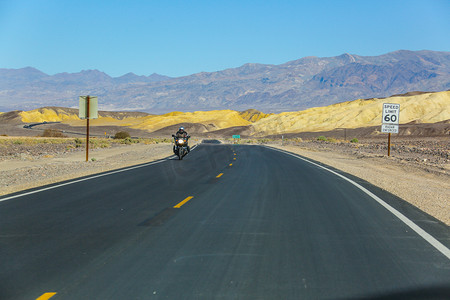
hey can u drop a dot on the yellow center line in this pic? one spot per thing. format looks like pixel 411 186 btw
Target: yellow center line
pixel 234 158
pixel 231 165
pixel 46 296
pixel 183 202
pixel 220 175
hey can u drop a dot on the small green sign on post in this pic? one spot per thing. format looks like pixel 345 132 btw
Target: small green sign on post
pixel 236 136
pixel 88 109
pixel 84 109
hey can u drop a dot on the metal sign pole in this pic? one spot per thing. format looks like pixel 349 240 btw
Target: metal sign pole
pixel 87 129
pixel 389 144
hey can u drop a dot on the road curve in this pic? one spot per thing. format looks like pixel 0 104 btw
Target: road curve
pixel 227 222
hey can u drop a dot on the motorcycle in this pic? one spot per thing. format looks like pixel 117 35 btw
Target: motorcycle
pixel 181 146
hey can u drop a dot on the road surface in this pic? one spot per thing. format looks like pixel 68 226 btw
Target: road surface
pixel 227 222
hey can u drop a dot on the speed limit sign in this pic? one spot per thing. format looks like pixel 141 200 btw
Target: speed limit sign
pixel 391 113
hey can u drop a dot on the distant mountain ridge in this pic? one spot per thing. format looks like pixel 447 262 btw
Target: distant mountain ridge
pixel 29 75
pixel 295 85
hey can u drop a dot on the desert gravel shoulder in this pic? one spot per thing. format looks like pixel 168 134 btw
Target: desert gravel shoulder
pixel 424 187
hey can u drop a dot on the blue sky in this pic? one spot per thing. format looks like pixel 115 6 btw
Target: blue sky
pixel 177 38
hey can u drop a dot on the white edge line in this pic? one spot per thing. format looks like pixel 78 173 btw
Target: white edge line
pixel 91 177
pixel 425 235
pixel 83 179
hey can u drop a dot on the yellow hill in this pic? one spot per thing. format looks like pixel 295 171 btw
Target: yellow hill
pixel 218 119
pixel 70 116
pixel 253 115
pixel 426 108
pixel 49 115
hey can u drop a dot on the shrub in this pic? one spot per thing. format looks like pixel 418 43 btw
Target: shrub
pixel 53 133
pixel 99 143
pixel 78 142
pixel 105 144
pixel 354 140
pixel 322 138
pixel 331 140
pixel 264 141
pixel 122 135
pixel 127 141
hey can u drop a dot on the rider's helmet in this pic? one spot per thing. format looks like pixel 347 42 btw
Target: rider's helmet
pixel 181 128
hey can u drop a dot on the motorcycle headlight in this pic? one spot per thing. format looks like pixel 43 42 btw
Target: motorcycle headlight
pixel 180 141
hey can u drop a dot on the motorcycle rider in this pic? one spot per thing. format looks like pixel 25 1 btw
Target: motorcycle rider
pixel 181 133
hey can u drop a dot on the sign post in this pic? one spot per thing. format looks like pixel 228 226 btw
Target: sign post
pixel 236 138
pixel 88 110
pixel 391 116
pixel 87 127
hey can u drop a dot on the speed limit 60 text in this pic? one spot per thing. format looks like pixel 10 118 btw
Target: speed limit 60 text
pixel 390 113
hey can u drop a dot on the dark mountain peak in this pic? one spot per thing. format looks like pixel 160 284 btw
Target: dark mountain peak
pixel 254 66
pixel 27 73
pixel 133 78
pixel 403 52
pixel 302 61
pixel 402 55
pixel 129 75
pixel 90 71
pixel 347 58
pixel 251 68
pixel 31 70
pixel 82 73
pixel 158 77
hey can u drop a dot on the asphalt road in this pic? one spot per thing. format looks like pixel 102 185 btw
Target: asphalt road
pixel 227 222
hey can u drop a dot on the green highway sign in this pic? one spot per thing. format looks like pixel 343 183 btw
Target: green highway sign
pixel 236 136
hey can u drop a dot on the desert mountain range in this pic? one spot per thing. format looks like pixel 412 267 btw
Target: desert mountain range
pixel 296 85
pixel 415 107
